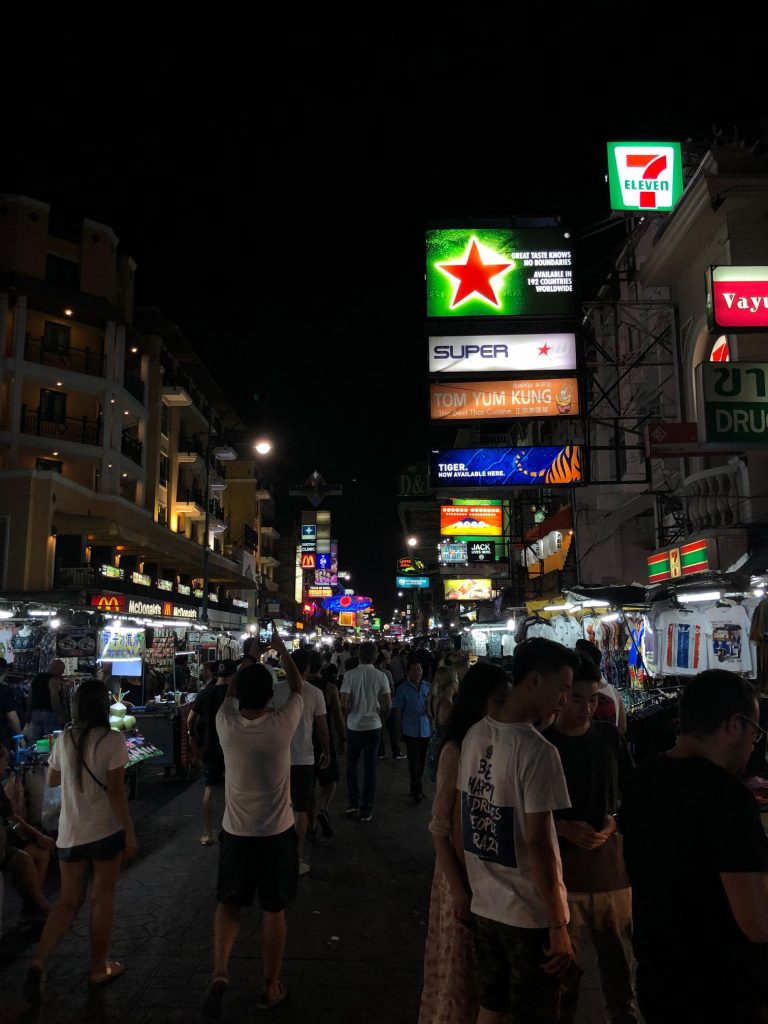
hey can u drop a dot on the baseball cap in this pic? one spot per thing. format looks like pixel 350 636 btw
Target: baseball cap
pixel 227 667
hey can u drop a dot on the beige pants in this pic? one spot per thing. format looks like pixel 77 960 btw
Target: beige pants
pixel 606 918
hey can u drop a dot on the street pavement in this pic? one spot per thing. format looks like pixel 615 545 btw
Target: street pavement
pixel 355 934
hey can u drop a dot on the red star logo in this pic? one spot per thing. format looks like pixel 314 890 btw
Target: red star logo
pixel 544 349
pixel 474 276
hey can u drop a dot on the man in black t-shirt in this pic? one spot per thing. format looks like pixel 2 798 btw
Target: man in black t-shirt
pixel 697 858
pixel 204 710
pixel 597 767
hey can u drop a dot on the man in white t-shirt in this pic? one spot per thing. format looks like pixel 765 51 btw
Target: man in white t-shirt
pixel 366 701
pixel 510 781
pixel 258 845
pixel 303 751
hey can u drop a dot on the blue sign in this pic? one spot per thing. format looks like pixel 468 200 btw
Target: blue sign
pixel 322 560
pixel 505 467
pixel 420 582
pixel 308 531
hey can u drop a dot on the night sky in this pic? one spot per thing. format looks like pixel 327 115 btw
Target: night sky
pixel 272 175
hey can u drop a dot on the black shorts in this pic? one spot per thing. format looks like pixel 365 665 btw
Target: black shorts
pixel 101 849
pixel 213 771
pixel 509 963
pixel 327 776
pixel 302 786
pixel 267 865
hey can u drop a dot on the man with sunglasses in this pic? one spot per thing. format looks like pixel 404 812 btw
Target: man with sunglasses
pixel 697 858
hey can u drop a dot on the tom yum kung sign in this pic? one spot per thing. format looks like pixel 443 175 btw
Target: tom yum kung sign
pixel 494 400
pixel 737 298
pixel 733 404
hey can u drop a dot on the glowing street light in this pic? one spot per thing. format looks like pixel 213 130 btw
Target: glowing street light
pixel 263 447
pixel 412 542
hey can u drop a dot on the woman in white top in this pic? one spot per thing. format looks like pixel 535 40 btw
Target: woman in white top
pixel 95 831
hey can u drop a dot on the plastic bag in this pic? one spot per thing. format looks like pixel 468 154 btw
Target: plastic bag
pixel 51 808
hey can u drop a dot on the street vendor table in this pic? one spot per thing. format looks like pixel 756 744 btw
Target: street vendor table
pixel 165 725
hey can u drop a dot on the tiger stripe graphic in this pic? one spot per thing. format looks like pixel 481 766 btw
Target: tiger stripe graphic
pixel 565 469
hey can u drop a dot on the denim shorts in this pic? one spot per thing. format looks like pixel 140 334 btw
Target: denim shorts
pixel 100 849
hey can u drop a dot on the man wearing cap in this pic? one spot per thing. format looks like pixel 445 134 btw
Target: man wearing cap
pixel 204 710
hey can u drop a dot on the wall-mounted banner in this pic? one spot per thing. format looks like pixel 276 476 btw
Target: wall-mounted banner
pixel 477 520
pixel 412 582
pixel 687 560
pixel 467 590
pixel 505 467
pixel 645 175
pixel 733 403
pixel 737 298
pixel 481 551
pixel 504 400
pixel 499 272
pixel 502 353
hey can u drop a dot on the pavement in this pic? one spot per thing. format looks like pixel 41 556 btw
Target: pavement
pixel 355 933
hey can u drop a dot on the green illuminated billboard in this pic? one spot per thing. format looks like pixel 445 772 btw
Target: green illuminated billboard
pixel 645 176
pixel 499 272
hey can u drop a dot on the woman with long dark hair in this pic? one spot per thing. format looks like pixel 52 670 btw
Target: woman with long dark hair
pixel 95 831
pixel 449 992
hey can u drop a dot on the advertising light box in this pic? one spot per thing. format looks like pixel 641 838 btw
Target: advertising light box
pixel 737 298
pixel 481 551
pixel 499 272
pixel 733 406
pixel 412 582
pixel 453 553
pixel 504 400
pixel 467 590
pixel 502 353
pixel 645 176
pixel 477 520
pixel 506 467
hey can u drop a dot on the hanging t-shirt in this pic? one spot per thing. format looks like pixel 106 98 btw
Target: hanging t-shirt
pixel 539 628
pixel 589 624
pixel 508 644
pixel 684 638
pixel 729 643
pixel 507 770
pixel 648 647
pixel 567 630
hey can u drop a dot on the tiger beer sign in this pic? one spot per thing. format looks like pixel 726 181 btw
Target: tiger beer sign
pixel 108 602
pixel 506 467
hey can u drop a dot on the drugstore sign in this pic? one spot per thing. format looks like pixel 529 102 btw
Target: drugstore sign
pixel 687 560
pixel 733 405
pixel 737 298
pixel 645 176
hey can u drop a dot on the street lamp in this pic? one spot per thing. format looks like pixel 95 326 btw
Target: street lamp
pixel 263 447
pixel 412 542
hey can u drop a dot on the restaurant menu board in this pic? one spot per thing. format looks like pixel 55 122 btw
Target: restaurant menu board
pixel 121 644
pixel 76 643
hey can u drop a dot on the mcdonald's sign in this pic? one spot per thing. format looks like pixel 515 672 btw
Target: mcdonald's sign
pixel 108 602
pixel 308 560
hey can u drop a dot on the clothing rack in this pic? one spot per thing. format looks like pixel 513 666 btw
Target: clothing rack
pixel 652 720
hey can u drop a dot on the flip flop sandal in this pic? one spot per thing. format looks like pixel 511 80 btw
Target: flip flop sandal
pixel 267 1002
pixel 213 997
pixel 206 841
pixel 114 970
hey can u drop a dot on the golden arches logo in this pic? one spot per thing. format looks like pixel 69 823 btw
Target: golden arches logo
pixel 108 602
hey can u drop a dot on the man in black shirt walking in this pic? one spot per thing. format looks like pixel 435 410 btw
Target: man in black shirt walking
pixel 697 857
pixel 597 767
pixel 202 725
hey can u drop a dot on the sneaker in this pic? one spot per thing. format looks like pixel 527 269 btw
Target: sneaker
pixel 213 997
pixel 400 757
pixel 325 824
pixel 382 757
pixel 304 868
pixel 351 810
pixel 366 816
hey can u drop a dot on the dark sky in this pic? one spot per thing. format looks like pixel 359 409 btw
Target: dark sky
pixel 272 174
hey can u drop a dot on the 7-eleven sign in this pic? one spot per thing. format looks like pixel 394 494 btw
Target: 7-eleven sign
pixel 645 176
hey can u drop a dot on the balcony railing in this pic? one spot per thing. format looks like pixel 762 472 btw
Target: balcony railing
pixel 131 447
pixel 134 386
pixel 190 496
pixel 81 360
pixel 83 430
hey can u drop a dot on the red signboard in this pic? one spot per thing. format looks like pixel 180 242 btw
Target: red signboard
pixel 108 602
pixel 308 561
pixel 738 298
pixel 675 440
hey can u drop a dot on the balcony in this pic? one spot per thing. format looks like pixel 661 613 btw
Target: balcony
pixel 717 497
pixel 131 447
pixel 77 577
pixel 80 360
pixel 134 386
pixel 67 428
pixel 190 502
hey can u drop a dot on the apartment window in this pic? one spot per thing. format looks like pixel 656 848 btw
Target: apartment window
pixel 53 406
pixel 162 515
pixel 51 465
pixel 61 271
pixel 163 470
pixel 165 420
pixel 56 338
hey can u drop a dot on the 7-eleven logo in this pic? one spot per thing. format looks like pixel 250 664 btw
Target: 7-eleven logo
pixel 644 176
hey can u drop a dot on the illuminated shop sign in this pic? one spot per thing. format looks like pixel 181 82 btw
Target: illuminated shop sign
pixel 409 565
pixel 478 520
pixel 467 590
pixel 323 560
pixel 498 272
pixel 308 546
pixel 182 588
pixel 141 579
pixel 412 582
pixel 733 405
pixel 308 561
pixel 121 644
pixel 453 552
pixel 686 560
pixel 308 531
pixel 481 551
pixel 137 606
pixel 347 619
pixel 504 400
pixel 164 584
pixel 504 467
pixel 645 176
pixel 347 603
pixel 737 298
pixel 112 572
pixel 502 353
pixel 179 612
pixel 108 602
pixel 319 591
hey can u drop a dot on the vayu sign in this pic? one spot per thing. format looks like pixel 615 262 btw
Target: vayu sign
pixel 645 176
pixel 737 298
pixel 733 406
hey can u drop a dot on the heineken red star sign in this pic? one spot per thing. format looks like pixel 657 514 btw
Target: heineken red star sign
pixel 498 272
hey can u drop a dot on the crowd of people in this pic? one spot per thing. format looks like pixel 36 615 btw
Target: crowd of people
pixel 545 833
